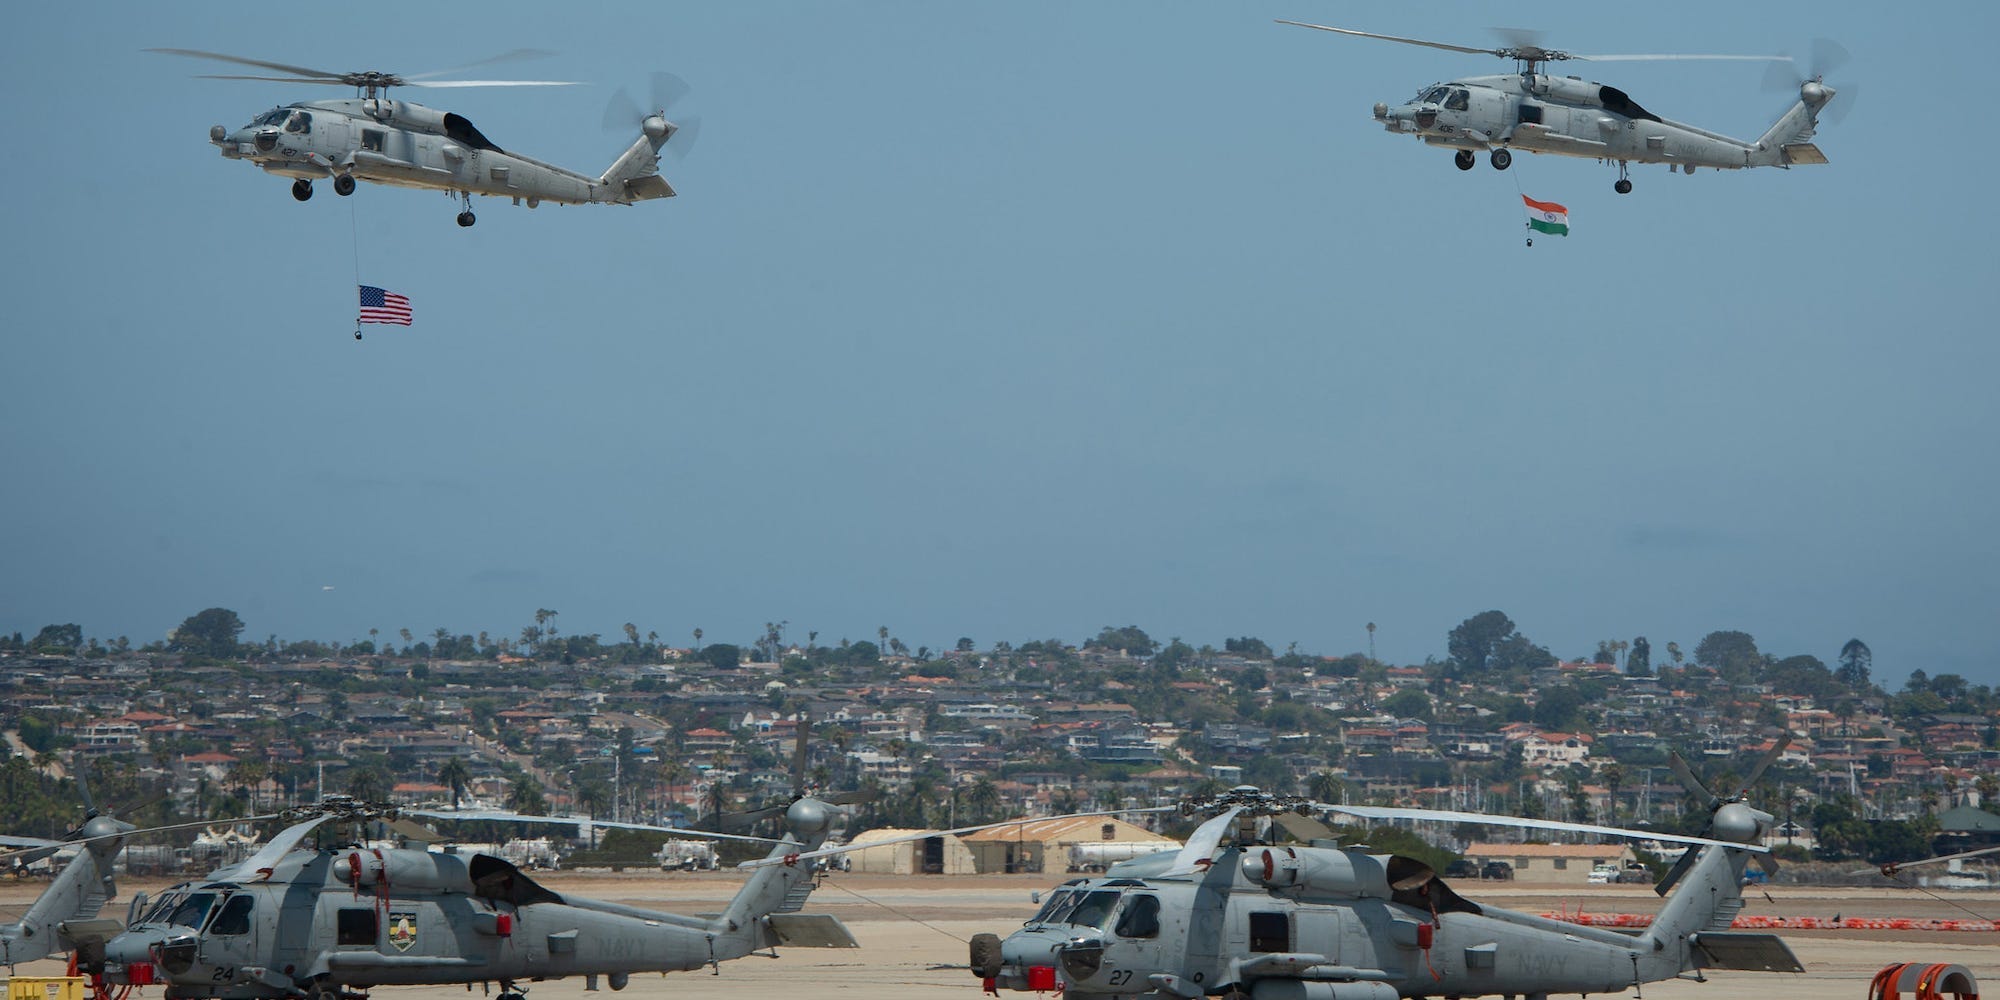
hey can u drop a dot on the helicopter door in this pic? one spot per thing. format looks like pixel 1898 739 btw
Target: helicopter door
pixel 1319 932
pixel 1138 931
pixel 232 938
pixel 1270 931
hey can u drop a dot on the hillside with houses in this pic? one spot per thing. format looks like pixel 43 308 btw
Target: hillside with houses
pixel 206 726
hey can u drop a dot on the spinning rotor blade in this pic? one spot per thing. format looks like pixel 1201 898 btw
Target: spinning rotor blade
pixel 1448 47
pixel 323 75
pixel 686 131
pixel 516 55
pixel 273 79
pixel 440 84
pixel 1680 57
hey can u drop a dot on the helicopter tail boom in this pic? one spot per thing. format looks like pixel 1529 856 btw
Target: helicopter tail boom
pixel 635 175
pixel 1789 140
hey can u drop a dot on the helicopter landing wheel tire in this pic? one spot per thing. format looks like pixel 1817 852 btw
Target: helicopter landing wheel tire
pixel 466 219
pixel 302 189
pixel 1622 187
pixel 343 185
pixel 1502 159
pixel 986 960
pixel 1464 159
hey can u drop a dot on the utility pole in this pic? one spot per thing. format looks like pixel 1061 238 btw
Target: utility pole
pixel 1371 641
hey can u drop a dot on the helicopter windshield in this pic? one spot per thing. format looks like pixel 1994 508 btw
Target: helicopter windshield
pixel 1058 901
pixel 1435 95
pixel 1091 909
pixel 193 910
pixel 275 116
pixel 163 907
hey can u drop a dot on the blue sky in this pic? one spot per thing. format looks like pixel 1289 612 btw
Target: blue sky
pixel 1009 321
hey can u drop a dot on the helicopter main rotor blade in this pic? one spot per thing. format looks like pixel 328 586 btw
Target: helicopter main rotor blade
pixel 133 831
pixel 1200 847
pixel 490 83
pixel 1447 46
pixel 272 79
pixel 517 55
pixel 496 816
pixel 1896 866
pixel 1484 819
pixel 1678 57
pixel 827 852
pixel 280 67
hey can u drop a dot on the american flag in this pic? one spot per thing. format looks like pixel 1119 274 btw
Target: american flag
pixel 382 306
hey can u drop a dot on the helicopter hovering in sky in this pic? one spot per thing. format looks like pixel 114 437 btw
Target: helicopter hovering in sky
pixel 292 922
pixel 1235 914
pixel 1539 112
pixel 373 137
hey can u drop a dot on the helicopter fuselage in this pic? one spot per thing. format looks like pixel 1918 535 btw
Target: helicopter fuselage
pixel 1570 116
pixel 327 921
pixel 1313 923
pixel 404 144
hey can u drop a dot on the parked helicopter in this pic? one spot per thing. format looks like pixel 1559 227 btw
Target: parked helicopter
pixel 1259 921
pixel 64 915
pixel 326 924
pixel 1567 116
pixel 374 138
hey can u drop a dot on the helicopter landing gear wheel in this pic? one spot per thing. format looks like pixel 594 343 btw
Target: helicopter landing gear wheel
pixel 322 990
pixel 302 189
pixel 343 185
pixel 986 960
pixel 1464 159
pixel 1623 186
pixel 467 219
pixel 1502 159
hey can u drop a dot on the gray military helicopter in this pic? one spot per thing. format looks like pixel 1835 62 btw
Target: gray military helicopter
pixel 374 138
pixel 1260 921
pixel 1539 112
pixel 64 916
pixel 330 924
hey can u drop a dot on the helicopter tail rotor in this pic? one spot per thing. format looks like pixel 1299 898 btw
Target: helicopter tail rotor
pixel 1809 81
pixel 623 113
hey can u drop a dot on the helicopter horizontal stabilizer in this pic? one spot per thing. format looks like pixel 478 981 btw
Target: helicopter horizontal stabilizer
pixel 1803 152
pixel 811 930
pixel 1746 952
pixel 649 187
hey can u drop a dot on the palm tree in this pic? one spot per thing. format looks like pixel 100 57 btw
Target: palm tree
pixel 454 775
pixel 697 639
pixel 982 799
pixel 526 797
pixel 1324 786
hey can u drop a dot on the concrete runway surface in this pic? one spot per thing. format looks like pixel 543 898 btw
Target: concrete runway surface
pixel 910 927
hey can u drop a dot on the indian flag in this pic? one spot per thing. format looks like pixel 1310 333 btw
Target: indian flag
pixel 1547 217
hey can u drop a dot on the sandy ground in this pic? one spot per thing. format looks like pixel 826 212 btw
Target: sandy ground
pixel 913 929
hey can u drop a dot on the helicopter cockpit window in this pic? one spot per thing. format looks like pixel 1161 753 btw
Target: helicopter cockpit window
pixel 1092 909
pixel 275 116
pixel 299 122
pixel 1458 101
pixel 163 907
pixel 1140 918
pixel 193 910
pixel 1435 95
pixel 235 915
pixel 1058 901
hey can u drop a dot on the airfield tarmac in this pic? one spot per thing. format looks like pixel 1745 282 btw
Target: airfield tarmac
pixel 911 927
